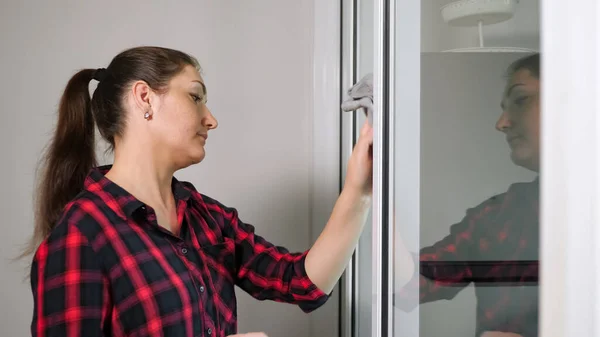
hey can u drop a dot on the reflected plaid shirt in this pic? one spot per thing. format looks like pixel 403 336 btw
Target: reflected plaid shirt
pixel 108 268
pixel 495 247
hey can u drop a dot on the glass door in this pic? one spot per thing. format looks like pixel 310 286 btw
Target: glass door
pixel 468 238
pixel 456 231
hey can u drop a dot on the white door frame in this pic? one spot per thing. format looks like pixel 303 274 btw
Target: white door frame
pixel 382 320
pixel 570 179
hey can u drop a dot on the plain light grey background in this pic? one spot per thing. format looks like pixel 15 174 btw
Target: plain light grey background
pixel 258 66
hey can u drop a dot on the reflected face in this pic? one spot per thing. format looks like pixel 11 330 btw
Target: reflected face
pixel 520 119
pixel 183 119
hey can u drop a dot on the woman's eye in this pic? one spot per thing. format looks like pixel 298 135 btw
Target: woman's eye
pixel 518 104
pixel 196 98
pixel 521 100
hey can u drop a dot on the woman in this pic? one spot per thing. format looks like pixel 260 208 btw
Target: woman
pixel 127 249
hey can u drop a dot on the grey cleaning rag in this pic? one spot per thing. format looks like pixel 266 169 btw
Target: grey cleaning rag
pixel 361 96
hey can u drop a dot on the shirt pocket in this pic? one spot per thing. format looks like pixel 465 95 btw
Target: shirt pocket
pixel 220 260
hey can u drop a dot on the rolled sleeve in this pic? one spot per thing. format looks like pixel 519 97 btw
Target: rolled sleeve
pixel 269 272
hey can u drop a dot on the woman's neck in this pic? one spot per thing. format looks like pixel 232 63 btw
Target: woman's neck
pixel 143 175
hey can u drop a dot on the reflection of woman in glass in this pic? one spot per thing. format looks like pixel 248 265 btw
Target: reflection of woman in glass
pixel 496 244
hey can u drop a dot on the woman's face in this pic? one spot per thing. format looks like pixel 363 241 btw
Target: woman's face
pixel 181 120
pixel 520 119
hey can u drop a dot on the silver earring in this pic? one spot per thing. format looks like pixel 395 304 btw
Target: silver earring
pixel 146 115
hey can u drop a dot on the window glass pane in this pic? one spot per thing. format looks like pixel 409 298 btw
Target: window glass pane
pixel 466 168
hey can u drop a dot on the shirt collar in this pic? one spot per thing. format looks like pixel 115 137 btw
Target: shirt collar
pixel 97 183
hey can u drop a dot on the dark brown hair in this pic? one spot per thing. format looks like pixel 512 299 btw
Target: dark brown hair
pixel 530 62
pixel 71 153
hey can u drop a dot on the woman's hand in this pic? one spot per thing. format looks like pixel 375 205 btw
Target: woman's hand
pixel 330 254
pixel 359 175
pixel 252 334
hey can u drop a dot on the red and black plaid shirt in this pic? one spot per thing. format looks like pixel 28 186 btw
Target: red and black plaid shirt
pixel 495 247
pixel 108 268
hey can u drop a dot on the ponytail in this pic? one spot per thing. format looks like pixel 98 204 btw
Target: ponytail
pixel 71 154
pixel 67 159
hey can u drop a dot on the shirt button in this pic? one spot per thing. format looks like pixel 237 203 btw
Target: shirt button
pixel 184 250
pixel 209 331
pixel 201 289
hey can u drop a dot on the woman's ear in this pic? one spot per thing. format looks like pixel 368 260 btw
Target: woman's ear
pixel 141 93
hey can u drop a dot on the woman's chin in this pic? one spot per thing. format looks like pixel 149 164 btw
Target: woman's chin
pixel 192 159
pixel 198 156
pixel 524 158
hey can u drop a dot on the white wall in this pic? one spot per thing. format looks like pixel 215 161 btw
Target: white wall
pixel 258 65
pixel 326 145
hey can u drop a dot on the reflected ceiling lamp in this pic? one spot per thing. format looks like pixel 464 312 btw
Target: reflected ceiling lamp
pixel 478 13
